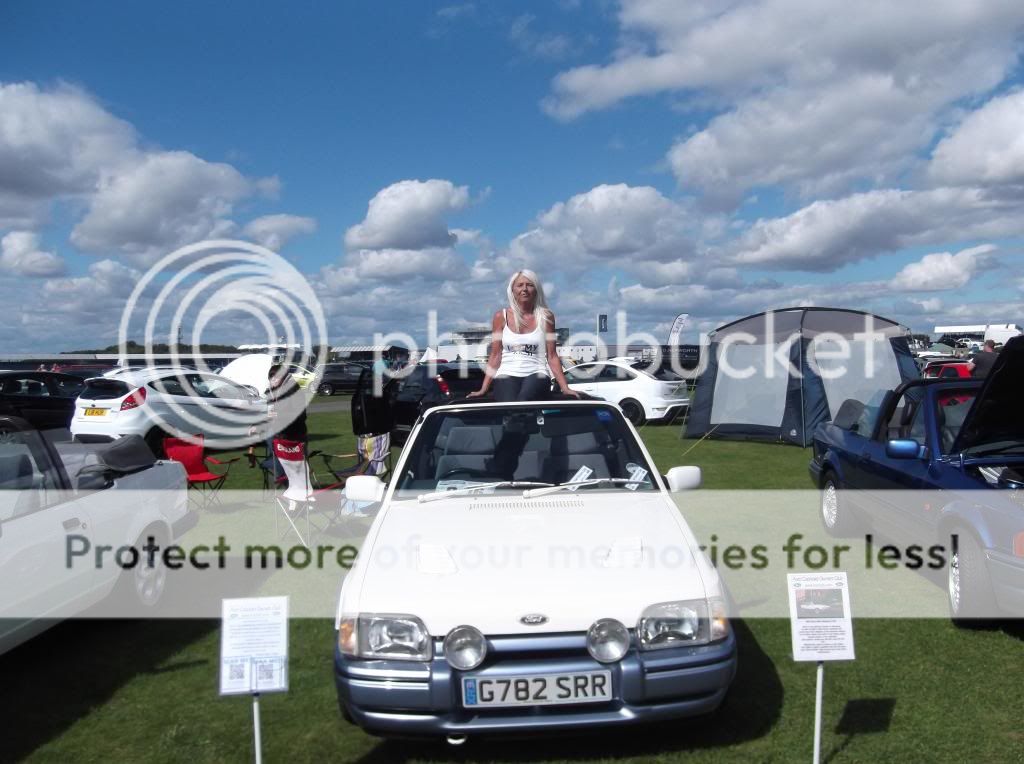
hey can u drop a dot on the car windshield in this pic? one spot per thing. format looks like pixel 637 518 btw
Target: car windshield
pixel 538 444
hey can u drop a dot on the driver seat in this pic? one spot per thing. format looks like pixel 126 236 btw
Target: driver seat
pixel 468 448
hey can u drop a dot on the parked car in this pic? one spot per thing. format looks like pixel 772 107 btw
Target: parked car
pixel 405 398
pixel 51 491
pixel 960 439
pixel 155 403
pixel 954 369
pixel 640 395
pixel 83 370
pixel 302 376
pixel 528 570
pixel 334 378
pixel 45 399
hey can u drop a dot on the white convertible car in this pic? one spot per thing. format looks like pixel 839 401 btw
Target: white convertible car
pixel 70 514
pixel 528 570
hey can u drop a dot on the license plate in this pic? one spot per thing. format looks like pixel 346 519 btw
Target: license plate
pixel 95 412
pixel 537 690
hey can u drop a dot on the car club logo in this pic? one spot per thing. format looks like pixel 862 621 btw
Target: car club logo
pixel 533 619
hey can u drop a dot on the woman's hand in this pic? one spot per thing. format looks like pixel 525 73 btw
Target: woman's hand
pixel 570 392
pixel 477 393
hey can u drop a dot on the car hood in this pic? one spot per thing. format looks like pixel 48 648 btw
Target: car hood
pixel 490 560
pixel 252 370
pixel 997 414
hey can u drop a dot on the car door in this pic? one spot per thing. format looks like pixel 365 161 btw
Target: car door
pixel 371 414
pixel 38 526
pixel 581 377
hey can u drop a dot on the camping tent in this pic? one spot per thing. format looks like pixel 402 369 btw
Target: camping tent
pixel 776 375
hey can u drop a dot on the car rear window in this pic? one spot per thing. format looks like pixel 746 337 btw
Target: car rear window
pixel 104 389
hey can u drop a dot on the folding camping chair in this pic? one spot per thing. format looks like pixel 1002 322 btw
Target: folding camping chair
pixel 190 454
pixel 299 500
pixel 373 457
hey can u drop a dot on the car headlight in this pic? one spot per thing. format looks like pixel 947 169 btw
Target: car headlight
pixel 465 648
pixel 388 636
pixel 607 640
pixel 681 623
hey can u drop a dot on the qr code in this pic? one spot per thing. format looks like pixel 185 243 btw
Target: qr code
pixel 236 672
pixel 265 672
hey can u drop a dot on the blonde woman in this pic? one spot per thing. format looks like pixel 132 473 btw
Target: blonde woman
pixel 523 358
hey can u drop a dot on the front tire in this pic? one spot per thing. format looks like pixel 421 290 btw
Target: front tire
pixel 633 411
pixel 969 588
pixel 142 587
pixel 155 440
pixel 327 389
pixel 835 513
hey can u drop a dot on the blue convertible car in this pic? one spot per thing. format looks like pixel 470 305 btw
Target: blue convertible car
pixel 962 440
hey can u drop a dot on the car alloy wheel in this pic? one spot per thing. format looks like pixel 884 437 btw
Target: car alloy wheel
pixel 968 585
pixel 326 389
pixel 835 513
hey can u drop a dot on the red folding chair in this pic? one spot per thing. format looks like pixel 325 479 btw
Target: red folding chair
pixel 190 454
pixel 299 500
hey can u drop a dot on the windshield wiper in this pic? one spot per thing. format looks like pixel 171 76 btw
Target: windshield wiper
pixel 579 483
pixel 435 495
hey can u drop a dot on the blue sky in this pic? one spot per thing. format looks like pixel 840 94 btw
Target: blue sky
pixel 646 155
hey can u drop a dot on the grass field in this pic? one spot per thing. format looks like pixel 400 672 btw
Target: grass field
pixel 147 691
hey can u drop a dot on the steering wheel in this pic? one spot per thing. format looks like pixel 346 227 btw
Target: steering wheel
pixel 469 471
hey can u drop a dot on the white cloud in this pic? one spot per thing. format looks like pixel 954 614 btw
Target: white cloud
pixel 552 47
pixel 102 293
pixel 606 222
pixel 816 141
pixel 410 214
pixel 986 148
pixel 414 265
pixel 274 231
pixel 942 270
pixel 827 235
pixel 20 255
pixel 165 201
pixel 914 307
pixel 818 97
pixel 744 47
pixel 54 143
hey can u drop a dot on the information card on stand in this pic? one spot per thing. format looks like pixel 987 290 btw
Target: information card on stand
pixel 254 645
pixel 819 614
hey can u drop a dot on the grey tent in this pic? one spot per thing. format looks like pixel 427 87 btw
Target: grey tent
pixel 775 376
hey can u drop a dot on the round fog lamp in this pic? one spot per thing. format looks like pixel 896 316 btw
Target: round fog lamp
pixel 607 640
pixel 465 648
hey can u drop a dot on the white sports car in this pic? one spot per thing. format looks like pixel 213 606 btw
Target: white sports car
pixel 527 570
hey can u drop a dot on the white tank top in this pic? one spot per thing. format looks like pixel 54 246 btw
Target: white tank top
pixel 523 354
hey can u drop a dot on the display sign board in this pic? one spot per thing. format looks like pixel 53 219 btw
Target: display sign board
pixel 254 645
pixel 819 614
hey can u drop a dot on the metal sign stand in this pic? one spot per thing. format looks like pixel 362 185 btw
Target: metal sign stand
pixel 817 712
pixel 256 727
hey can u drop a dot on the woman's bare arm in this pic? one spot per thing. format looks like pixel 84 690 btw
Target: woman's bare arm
pixel 554 362
pixel 494 359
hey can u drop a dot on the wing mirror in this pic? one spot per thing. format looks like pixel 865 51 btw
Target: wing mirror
pixel 905 449
pixel 683 478
pixel 364 488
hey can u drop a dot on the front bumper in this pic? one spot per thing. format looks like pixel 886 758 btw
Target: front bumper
pixel 424 699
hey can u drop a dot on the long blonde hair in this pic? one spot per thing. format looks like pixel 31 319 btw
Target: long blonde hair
pixel 541 312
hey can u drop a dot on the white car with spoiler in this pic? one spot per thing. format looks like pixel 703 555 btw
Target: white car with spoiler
pixel 528 569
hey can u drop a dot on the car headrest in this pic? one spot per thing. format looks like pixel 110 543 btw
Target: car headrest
pixel 15 472
pixel 471 440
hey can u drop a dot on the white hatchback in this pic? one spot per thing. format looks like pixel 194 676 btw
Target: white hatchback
pixel 155 403
pixel 641 396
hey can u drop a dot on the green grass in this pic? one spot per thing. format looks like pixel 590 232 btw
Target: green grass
pixel 918 691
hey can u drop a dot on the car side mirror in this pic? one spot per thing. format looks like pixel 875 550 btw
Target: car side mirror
pixel 364 488
pixel 905 449
pixel 683 478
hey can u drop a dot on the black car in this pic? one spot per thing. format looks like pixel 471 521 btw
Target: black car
pixel 334 378
pixel 45 399
pixel 406 397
